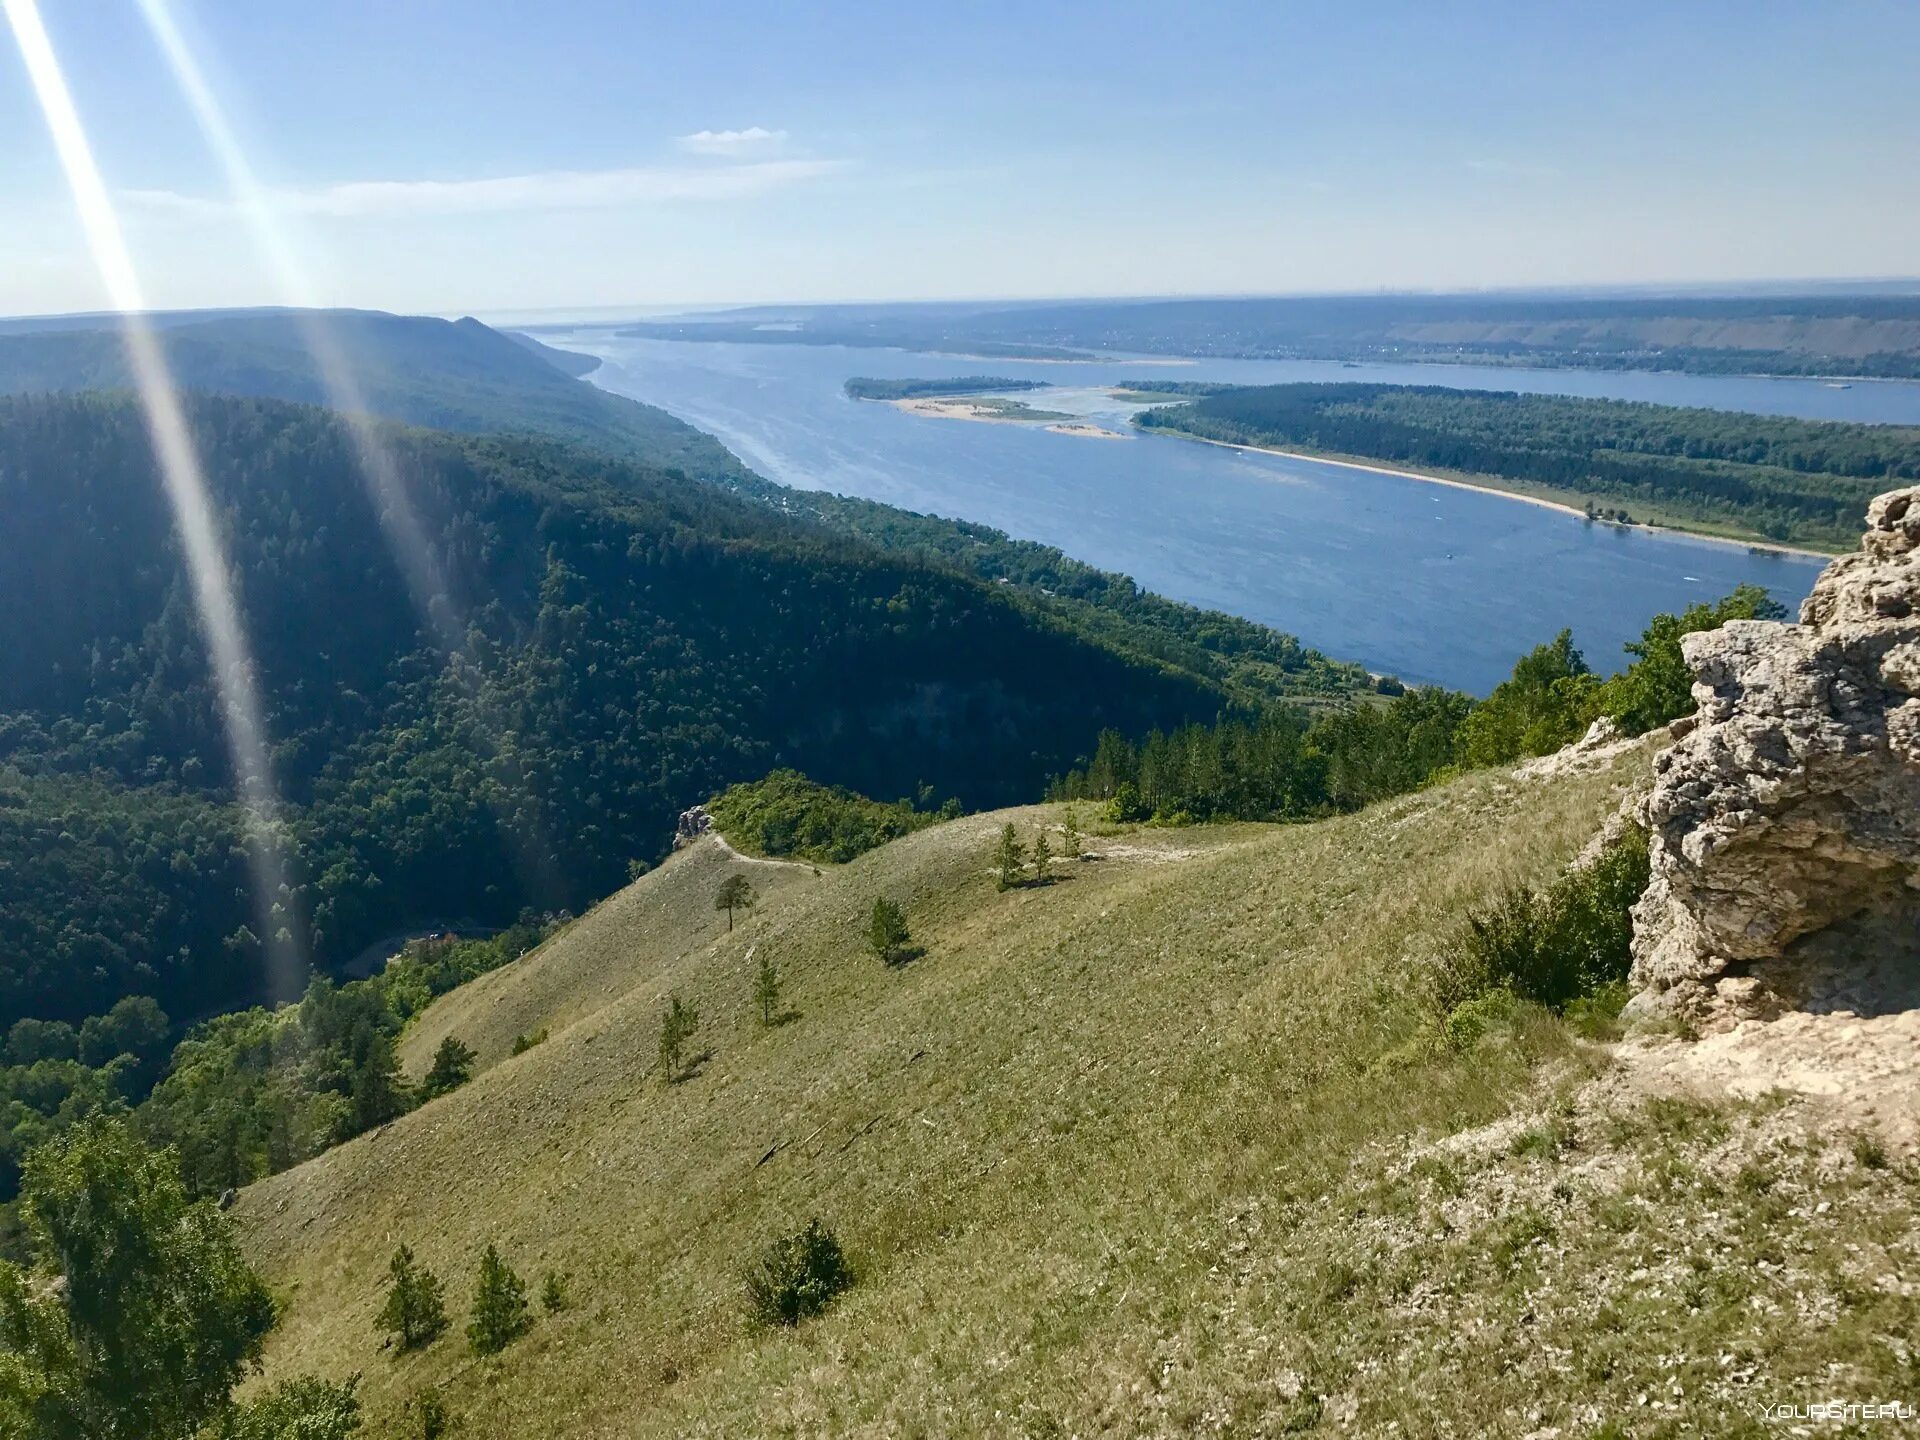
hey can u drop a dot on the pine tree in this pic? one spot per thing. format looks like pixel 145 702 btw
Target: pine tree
pixel 766 989
pixel 553 1293
pixel 379 1093
pixel 413 1313
pixel 452 1067
pixel 1010 858
pixel 736 893
pixel 1070 844
pixel 676 1029
pixel 1042 858
pixel 887 930
pixel 499 1306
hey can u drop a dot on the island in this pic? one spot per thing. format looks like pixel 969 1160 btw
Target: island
pixel 865 387
pixel 1767 480
pixel 976 397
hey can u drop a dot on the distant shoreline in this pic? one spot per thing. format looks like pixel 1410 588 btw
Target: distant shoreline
pixel 1564 508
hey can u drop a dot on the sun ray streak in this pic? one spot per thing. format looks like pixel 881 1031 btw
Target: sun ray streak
pixel 406 535
pixel 186 490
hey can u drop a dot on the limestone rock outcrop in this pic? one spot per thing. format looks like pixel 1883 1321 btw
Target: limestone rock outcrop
pixel 1785 821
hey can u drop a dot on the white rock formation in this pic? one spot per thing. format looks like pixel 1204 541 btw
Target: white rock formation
pixel 1785 821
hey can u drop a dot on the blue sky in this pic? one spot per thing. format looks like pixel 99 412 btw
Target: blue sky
pixel 497 157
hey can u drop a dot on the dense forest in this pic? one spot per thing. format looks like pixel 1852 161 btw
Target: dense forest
pixel 1285 763
pixel 865 387
pixel 788 814
pixel 1812 334
pixel 634 643
pixel 1784 479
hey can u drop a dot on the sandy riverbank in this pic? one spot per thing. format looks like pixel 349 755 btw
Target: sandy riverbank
pixel 993 411
pixel 1456 484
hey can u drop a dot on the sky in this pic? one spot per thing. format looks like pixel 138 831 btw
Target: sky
pixel 503 158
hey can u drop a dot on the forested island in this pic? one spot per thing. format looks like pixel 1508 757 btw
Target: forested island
pixel 1716 472
pixel 865 387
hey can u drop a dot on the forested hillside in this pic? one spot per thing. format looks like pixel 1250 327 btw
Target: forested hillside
pixel 634 643
pixel 447 375
pixel 466 377
pixel 1783 479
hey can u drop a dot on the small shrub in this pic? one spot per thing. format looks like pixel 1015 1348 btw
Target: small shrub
pixel 1868 1150
pixel 1071 844
pixel 1554 948
pixel 797 1277
pixel 1468 1022
pixel 499 1306
pixel 427 1418
pixel 413 1314
pixel 524 1043
pixel 554 1295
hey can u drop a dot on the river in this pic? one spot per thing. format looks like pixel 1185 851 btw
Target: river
pixel 1428 582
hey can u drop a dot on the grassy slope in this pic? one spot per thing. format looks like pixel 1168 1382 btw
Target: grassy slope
pixel 1119 1156
pixel 632 937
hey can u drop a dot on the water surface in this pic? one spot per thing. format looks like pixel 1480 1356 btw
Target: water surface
pixel 1429 582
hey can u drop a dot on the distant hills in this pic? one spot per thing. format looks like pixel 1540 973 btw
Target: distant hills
pixel 1866 334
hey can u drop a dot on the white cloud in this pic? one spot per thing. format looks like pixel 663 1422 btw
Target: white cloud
pixel 546 190
pixel 755 140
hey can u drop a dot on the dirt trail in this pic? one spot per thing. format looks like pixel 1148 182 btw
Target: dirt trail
pixel 733 854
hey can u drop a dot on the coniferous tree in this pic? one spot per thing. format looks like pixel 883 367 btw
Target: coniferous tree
pixel 1042 857
pixel 1010 858
pixel 766 989
pixel 736 893
pixel 452 1067
pixel 500 1313
pixel 553 1293
pixel 1070 842
pixel 379 1091
pixel 677 1027
pixel 887 930
pixel 413 1313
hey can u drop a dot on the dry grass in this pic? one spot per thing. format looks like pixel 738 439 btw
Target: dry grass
pixel 1101 1156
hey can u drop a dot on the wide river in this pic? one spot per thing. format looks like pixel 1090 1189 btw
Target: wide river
pixel 1429 582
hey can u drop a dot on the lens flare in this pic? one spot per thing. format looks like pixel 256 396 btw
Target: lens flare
pixel 406 536
pixel 186 490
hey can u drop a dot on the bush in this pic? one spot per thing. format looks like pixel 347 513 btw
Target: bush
pixel 1554 948
pixel 797 1277
pixel 303 1408
pixel 524 1043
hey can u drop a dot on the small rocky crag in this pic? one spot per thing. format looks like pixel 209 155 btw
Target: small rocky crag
pixel 693 823
pixel 1785 820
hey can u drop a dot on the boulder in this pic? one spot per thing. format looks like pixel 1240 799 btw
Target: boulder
pixel 1785 822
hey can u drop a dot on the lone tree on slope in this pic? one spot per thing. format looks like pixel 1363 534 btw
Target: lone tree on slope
pixel 887 931
pixel 676 1029
pixel 413 1313
pixel 766 989
pixel 499 1306
pixel 1010 857
pixel 736 893
pixel 452 1067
